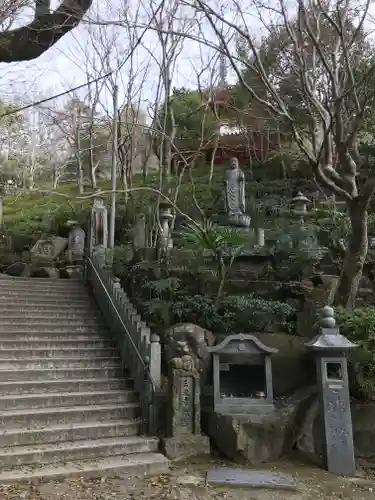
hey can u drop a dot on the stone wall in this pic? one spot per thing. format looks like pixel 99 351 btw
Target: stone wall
pixel 363 415
pixel 292 366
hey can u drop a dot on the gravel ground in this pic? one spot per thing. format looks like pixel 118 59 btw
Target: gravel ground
pixel 186 481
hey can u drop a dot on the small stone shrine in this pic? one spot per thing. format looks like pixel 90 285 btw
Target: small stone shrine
pixel 242 375
pixel 234 196
pixel 76 242
pixel 98 224
pixel 184 436
pixel 331 348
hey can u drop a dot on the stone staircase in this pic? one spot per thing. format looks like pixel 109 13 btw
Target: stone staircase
pixel 65 406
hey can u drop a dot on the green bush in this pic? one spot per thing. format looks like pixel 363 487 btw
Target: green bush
pixel 359 326
pixel 237 314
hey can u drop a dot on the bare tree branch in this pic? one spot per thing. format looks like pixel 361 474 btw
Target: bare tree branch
pixel 32 40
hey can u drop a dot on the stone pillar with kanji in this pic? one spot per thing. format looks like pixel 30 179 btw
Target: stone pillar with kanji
pixel 184 438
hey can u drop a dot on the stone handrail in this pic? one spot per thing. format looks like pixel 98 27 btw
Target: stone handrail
pixel 140 350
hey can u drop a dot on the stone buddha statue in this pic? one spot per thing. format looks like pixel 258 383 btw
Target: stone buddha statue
pixel 234 195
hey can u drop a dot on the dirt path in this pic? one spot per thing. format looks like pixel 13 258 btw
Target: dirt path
pixel 187 482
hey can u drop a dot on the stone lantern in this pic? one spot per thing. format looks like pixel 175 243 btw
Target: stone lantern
pixel 330 349
pixel 165 217
pixel 299 204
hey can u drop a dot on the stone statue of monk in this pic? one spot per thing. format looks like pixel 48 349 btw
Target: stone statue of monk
pixel 234 191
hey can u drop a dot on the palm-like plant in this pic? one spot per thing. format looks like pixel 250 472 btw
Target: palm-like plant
pixel 224 245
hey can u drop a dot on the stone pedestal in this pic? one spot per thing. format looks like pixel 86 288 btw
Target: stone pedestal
pixel 181 447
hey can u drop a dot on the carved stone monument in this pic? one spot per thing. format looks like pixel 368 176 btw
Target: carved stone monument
pixel 331 348
pixel 76 242
pixel 234 195
pixel 98 224
pixel 190 339
pixel 184 436
pixel 242 375
pixel 49 248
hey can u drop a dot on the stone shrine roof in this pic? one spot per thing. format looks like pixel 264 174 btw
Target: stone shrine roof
pixel 237 339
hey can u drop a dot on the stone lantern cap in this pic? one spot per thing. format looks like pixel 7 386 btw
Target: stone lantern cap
pixel 165 210
pixel 330 338
pixel 240 342
pixel 300 198
pixel 72 223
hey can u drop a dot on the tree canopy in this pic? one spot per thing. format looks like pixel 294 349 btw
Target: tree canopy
pixel 194 118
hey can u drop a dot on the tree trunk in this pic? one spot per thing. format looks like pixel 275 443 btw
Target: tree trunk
pixel 222 276
pixel 94 184
pixel 355 257
pixel 79 176
pixel 213 156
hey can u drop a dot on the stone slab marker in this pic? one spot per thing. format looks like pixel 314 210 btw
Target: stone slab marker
pixel 330 348
pixel 184 436
pixel 225 476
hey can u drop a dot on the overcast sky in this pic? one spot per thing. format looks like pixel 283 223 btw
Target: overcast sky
pixel 63 66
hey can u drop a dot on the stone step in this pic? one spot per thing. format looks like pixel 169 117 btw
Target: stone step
pixel 47 343
pixel 27 307
pixel 36 401
pixel 46 291
pixel 54 329
pixel 26 336
pixel 43 417
pixel 79 450
pixel 58 374
pixel 57 386
pixel 31 315
pixel 40 281
pixel 41 287
pixel 27 351
pixel 29 293
pixel 36 295
pixel 36 301
pixel 69 432
pixel 19 280
pixel 58 363
pixel 137 464
pixel 47 321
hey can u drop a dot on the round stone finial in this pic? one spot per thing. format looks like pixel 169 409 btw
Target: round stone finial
pixel 327 317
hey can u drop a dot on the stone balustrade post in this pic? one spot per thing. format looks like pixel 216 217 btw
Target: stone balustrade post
pixel 260 237
pixel 155 360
